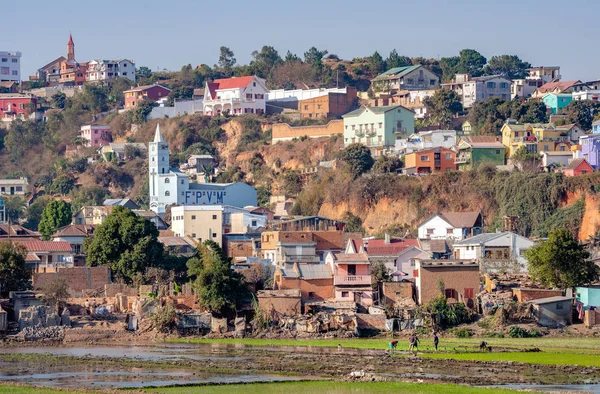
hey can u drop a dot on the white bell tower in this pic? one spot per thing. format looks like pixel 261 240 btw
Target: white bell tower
pixel 158 164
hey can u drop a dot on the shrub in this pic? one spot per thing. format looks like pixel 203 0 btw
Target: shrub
pixel 163 319
pixel 463 333
pixel 518 332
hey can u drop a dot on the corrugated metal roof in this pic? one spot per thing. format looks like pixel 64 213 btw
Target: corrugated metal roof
pixel 314 271
pixel 479 239
pixel 549 300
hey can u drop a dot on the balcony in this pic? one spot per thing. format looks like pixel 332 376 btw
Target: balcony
pixel 352 280
pixel 300 258
pixel 400 130
pixel 463 159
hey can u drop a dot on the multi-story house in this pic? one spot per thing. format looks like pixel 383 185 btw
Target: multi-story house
pixel 46 255
pixel 133 97
pixel 50 72
pixel 472 90
pixel 14 187
pixel 312 103
pixel 75 235
pixel 474 151
pixel 544 74
pixel 554 87
pixel 538 137
pixel 590 149
pixel 504 251
pixel 428 161
pixel 415 77
pixel 72 73
pixel 106 70
pixel 451 225
pixel 236 96
pixel 352 279
pixel 289 247
pixel 96 135
pixel 315 281
pixel 378 127
pixel 461 280
pixel 10 66
pixel 17 105
pixel 557 101
pixel 394 254
pixel 538 76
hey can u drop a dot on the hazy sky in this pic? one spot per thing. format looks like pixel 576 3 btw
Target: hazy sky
pixel 169 34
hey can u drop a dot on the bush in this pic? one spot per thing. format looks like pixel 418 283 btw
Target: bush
pixel 518 332
pixel 163 319
pixel 463 333
pixel 448 315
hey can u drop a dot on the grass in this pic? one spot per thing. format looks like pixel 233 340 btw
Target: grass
pixel 523 357
pixel 330 387
pixel 19 389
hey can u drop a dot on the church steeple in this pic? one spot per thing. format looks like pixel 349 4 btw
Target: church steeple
pixel 70 48
pixel 157 135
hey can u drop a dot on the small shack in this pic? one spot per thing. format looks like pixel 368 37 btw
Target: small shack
pixel 279 303
pixel 553 311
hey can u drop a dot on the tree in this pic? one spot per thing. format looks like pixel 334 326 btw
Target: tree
pixel 291 74
pixel 449 66
pixel 59 99
pixel 34 212
pixel 142 110
pixel 354 224
pixel 219 288
pixel 376 63
pixel 56 293
pixel 532 111
pixel 387 164
pixel 442 106
pixel 582 112
pixel 14 274
pixel 226 60
pixel 143 72
pixel 93 195
pixel 509 66
pixel 263 194
pixel 291 57
pixel 15 208
pixel 265 61
pixel 470 62
pixel 63 184
pixel 395 60
pixel 561 261
pixel 292 183
pixel 359 159
pixel 526 160
pixel 56 214
pixel 125 242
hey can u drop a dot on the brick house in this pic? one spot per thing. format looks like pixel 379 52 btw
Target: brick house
pixel 393 253
pixel 430 160
pixel 329 106
pixel 315 281
pixel 351 277
pixel 16 105
pixel 46 256
pixel 135 96
pixel 461 280
pixel 576 167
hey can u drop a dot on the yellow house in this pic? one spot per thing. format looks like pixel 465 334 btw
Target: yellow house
pixel 535 138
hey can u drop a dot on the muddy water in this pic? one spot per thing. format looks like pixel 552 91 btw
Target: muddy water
pixel 549 388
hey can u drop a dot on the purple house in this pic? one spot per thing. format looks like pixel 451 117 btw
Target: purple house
pixel 590 149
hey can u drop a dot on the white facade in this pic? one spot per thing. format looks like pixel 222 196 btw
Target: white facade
pixel 237 96
pixel 179 108
pixel 544 74
pixel 560 159
pixel 13 187
pixel 523 88
pixel 10 66
pixel 168 186
pixel 587 95
pixel 406 261
pixel 472 90
pixel 105 70
pixel 438 228
pixel 301 94
pixel 427 140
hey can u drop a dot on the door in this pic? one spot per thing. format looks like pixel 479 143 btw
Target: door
pixel 351 270
pixel 12 190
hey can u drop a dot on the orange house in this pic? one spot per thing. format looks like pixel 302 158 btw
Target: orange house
pixel 430 160
pixel 576 167
pixel 135 96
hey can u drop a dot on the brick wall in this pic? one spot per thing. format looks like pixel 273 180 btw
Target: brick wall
pixel 113 289
pixel 455 278
pixel 276 306
pixel 372 322
pixel 332 105
pixel 238 248
pixel 285 132
pixel 524 295
pixel 395 292
pixel 321 289
pixel 78 278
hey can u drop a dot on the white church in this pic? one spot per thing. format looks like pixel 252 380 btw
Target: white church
pixel 170 186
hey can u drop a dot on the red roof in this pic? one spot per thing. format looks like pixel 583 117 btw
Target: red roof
pixel 33 246
pixel 70 43
pixel 560 86
pixel 212 87
pixel 233 83
pixel 378 247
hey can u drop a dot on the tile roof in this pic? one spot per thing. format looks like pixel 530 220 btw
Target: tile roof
pixel 146 87
pixel 461 219
pixel 329 240
pixel 232 83
pixel 560 86
pixel 34 246
pixel 576 163
pixel 32 257
pixel 438 246
pixel 356 258
pixel 16 230
pixel 75 230
pixel 378 247
pixel 482 141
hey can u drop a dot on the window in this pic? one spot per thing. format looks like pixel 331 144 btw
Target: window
pixel 214 235
pixel 380 125
pixel 409 81
pixel 449 231
pixel 14 60
pixel 583 172
pixel 193 235
pixel 429 231
pixel 431 82
pixel 345 294
pixel 254 84
pixel 167 193
pixel 491 85
pixel 182 182
pixel 15 72
pixel 318 106
pixel 503 85
pixel 4 70
pixel 449 293
pixel 448 156
pixel 424 158
pixel 249 96
pixel 193 217
pixel 469 293
pixel 254 223
pixel 559 305
pixel 167 180
pixel 311 294
pixel 306 108
pixel 4 60
pixel 214 217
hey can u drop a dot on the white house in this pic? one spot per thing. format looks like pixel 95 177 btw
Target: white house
pixel 495 251
pixel 168 186
pixel 556 159
pixel 451 225
pixel 427 140
pixel 10 66
pixel 237 96
pixel 106 70
pixel 13 187
pixel 476 89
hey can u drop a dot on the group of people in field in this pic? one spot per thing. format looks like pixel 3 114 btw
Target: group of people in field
pixel 413 344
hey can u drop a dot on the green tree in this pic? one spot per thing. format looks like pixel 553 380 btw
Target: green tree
pixel 449 66
pixel 143 72
pixel 470 62
pixel 125 242
pixel 219 288
pixel 56 214
pixel 263 194
pixel 582 112
pixel 354 224
pixel 292 183
pixel 14 274
pixel 561 261
pixel 265 61
pixel 93 195
pixel 15 208
pixel 33 214
pixel 376 63
pixel 59 99
pixel 63 184
pixel 526 160
pixel 532 111
pixel 141 111
pixel 359 159
pixel 387 164
pixel 442 106
pixel 509 66
pixel 395 60
pixel 226 60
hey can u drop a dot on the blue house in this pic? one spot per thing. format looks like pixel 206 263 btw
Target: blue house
pixel 557 101
pixel 596 127
pixel 588 295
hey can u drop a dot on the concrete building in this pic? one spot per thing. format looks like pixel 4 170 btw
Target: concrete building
pixel 72 73
pixel 134 96
pixel 378 127
pixel 588 295
pixel 461 280
pixel 96 135
pixel 179 108
pixel 14 187
pixel 555 87
pixel 118 150
pixel 428 161
pixel 170 186
pixel 557 101
pixel 495 252
pixel 236 96
pixel 100 70
pixel 313 103
pixel 553 311
pixel 538 137
pixel 552 160
pixel 416 77
pixel 315 281
pixel 17 106
pixel 590 149
pixel 10 66
pixel 43 256
pixel 211 222
pixel 474 89
pixel 451 225
pixel 427 140
pixel 351 277
pixel 75 235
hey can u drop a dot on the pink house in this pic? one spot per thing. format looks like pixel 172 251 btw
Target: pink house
pixel 351 277
pixel 577 167
pixel 96 135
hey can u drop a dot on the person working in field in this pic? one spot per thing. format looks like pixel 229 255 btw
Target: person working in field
pixel 413 343
pixel 436 341
pixel 392 345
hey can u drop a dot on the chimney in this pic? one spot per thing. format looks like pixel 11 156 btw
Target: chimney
pixel 387 238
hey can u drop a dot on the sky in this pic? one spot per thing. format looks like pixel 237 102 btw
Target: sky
pixel 170 34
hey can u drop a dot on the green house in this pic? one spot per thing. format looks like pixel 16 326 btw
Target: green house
pixel 476 150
